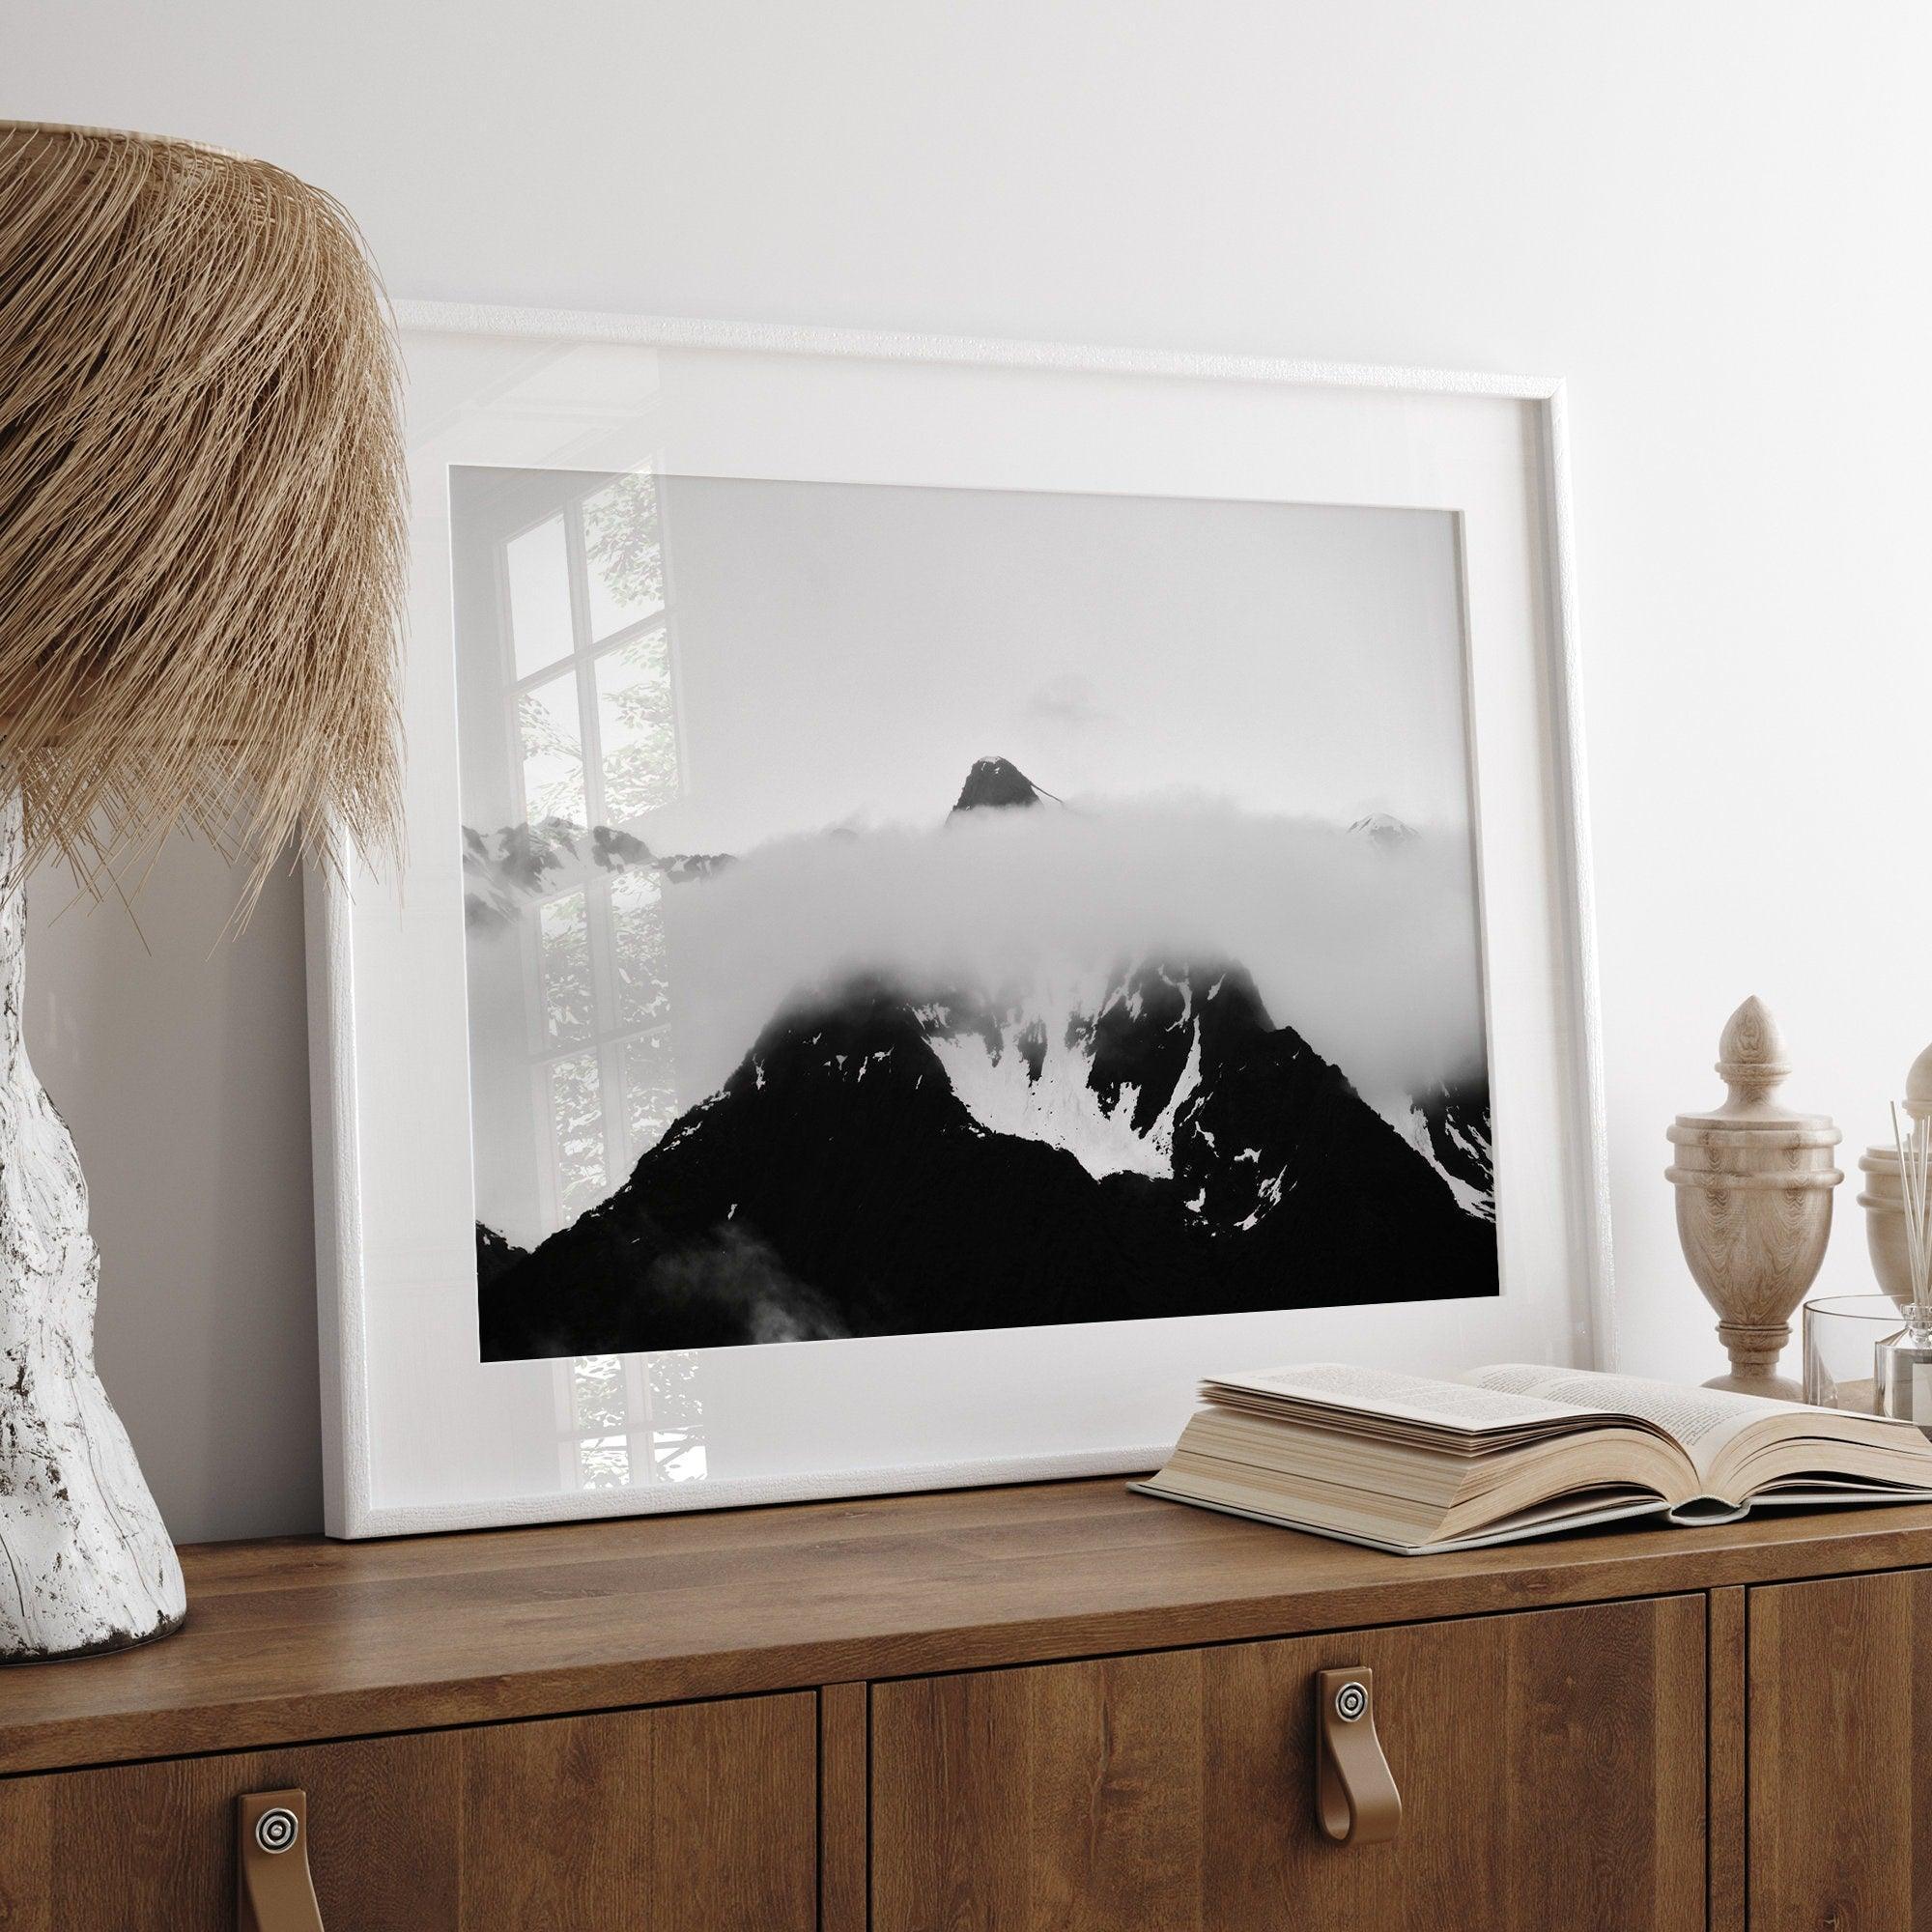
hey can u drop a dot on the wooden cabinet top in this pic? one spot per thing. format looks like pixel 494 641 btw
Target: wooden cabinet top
pixel 302 1640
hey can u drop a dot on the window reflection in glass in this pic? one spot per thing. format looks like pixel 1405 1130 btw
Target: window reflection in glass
pixel 563 936
pixel 643 1000
pixel 576 1122
pixel 636 726
pixel 552 750
pixel 539 571
pixel 627 1420
pixel 604 1462
pixel 597 1398
pixel 591 712
pixel 623 555
pixel 600 1415
pixel 637 934
pixel 677 1417
pixel 650 1091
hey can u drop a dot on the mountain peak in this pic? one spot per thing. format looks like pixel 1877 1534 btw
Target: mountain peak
pixel 1385 828
pixel 997 782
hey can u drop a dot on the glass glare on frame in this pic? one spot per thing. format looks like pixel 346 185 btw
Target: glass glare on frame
pixel 638 944
pixel 603 1462
pixel 650 1090
pixel 600 1418
pixel 636 726
pixel 564 940
pixel 552 750
pixel 539 569
pixel 598 1400
pixel 576 1121
pixel 623 555
pixel 676 1417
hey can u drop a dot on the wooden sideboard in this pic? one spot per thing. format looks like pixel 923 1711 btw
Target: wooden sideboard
pixel 1057 1707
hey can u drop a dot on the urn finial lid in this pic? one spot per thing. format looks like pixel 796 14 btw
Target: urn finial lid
pixel 1918 1086
pixel 1882 1156
pixel 1752 1064
pixel 1751 1055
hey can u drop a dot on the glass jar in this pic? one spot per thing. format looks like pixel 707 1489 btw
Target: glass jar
pixel 1841 1334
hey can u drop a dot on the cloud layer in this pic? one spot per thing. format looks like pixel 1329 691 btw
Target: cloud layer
pixel 1369 952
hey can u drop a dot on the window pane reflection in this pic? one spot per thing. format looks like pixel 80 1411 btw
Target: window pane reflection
pixel 591 716
pixel 637 937
pixel 552 750
pixel 563 934
pixel 651 1091
pixel 577 1119
pixel 636 726
pixel 539 567
pixel 677 1418
pixel 623 555
pixel 604 1462
pixel 600 1414
pixel 628 1421
pixel 597 1392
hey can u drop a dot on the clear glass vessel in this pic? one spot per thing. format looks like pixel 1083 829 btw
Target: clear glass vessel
pixel 1842 1334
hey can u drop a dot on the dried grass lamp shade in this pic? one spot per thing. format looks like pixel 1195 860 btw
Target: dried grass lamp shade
pixel 201 507
pixel 201 559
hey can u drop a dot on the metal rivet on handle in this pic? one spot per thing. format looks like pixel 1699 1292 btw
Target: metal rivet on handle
pixel 276 1829
pixel 1352 1701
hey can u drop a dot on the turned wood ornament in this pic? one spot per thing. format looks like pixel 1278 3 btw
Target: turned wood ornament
pixel 1753 1184
pixel 1883 1199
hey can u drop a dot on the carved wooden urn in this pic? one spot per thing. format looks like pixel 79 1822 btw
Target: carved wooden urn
pixel 1754 1185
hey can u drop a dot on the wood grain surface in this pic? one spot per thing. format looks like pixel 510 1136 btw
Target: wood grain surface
pixel 1550 1765
pixel 1840 1734
pixel 699 1818
pixel 302 1640
pixel 844 1805
pixel 1726 1734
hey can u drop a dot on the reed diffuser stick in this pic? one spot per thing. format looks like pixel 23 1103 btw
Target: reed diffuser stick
pixel 1911 1131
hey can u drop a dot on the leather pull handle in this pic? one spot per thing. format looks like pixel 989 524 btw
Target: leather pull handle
pixel 273 1890
pixel 1356 1798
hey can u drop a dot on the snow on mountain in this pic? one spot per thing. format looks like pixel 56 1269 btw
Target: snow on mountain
pixel 1451 1132
pixel 1414 1129
pixel 837 1182
pixel 1029 1073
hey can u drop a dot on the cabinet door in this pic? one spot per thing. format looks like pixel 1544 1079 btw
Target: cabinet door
pixel 1550 1765
pixel 1841 1702
pixel 694 1818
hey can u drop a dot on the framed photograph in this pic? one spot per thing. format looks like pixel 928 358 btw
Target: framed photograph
pixel 951 889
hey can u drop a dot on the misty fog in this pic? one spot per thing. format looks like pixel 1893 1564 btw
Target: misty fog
pixel 1369 951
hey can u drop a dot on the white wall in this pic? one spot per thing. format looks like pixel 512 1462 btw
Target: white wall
pixel 1709 216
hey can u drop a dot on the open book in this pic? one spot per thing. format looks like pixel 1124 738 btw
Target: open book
pixel 1415 1466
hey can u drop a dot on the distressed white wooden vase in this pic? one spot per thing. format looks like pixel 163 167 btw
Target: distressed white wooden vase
pixel 85 1562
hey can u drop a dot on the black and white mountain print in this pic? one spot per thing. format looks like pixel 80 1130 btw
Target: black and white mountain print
pixel 1068 1141
pixel 928 906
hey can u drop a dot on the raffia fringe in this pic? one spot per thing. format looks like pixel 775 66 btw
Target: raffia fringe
pixel 202 508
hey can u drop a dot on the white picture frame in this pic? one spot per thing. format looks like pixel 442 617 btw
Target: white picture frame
pixel 422 1435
